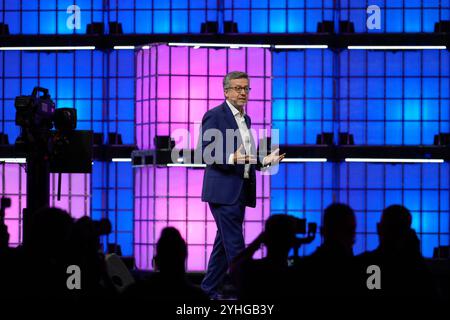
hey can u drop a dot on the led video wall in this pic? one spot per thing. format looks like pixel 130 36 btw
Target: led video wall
pixel 381 97
pixel 186 16
pixel 175 86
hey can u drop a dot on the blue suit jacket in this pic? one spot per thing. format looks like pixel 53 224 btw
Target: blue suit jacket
pixel 222 182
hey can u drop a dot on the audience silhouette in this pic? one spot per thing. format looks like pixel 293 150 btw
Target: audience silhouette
pixel 330 270
pixel 404 272
pixel 169 282
pixel 38 268
pixel 269 277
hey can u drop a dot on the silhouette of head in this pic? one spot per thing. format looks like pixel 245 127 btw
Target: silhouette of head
pixel 171 252
pixel 50 232
pixel 339 225
pixel 279 234
pixel 394 228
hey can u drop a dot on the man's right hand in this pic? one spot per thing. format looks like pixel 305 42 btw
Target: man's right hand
pixel 242 158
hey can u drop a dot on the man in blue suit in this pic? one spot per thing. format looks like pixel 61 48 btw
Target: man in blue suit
pixel 229 183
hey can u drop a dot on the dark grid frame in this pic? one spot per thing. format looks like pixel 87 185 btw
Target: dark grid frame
pixel 421 187
pixel 172 196
pixel 100 85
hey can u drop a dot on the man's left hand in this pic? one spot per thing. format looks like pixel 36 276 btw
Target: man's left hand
pixel 274 157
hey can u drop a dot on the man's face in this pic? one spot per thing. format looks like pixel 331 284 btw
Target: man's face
pixel 236 93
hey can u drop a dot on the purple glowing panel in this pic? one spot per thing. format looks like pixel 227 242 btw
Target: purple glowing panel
pixel 175 86
pixel 13 184
pixel 75 193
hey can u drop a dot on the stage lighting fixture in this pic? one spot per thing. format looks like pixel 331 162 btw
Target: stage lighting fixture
pixel 114 138
pixel 346 139
pixel 4 139
pixel 442 26
pixel 95 28
pixel 346 26
pixel 115 27
pixel 325 27
pixel 230 27
pixel 4 29
pixel 98 138
pixel 442 139
pixel 441 252
pixel 325 138
pixel 209 27
pixel 164 142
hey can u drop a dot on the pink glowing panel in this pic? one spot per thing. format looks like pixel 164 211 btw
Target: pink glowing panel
pixel 139 111
pixel 196 258
pixel 62 203
pixel 255 110
pixel 139 86
pixel 209 248
pixel 145 89
pixel 179 87
pixel 18 202
pixel 161 209
pixel 143 116
pixel 163 87
pixel 180 225
pixel 197 109
pixel 13 230
pixel 237 60
pixel 216 88
pixel 179 132
pixel 268 111
pixel 139 60
pixel 196 233
pixel 144 256
pixel 162 130
pixel 152 89
pixel 76 190
pixel 195 177
pixel 179 96
pixel 162 110
pixel 194 132
pixel 177 182
pixel 252 230
pixel 254 214
pixel 150 111
pixel 179 111
pixel 215 103
pixel 197 61
pixel 217 62
pixel 145 69
pixel 254 59
pixel 196 209
pixel 198 87
pixel 13 178
pixel 137 208
pixel 79 206
pixel 257 85
pixel 163 59
pixel 211 230
pixel 139 139
pixel 268 96
pixel 177 209
pixel 179 62
pixel 80 184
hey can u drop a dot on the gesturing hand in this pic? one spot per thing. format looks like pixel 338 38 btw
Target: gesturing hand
pixel 239 157
pixel 274 157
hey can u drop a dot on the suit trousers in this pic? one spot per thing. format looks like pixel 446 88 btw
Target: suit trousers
pixel 229 240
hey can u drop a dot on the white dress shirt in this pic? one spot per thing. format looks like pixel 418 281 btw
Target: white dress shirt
pixel 245 135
